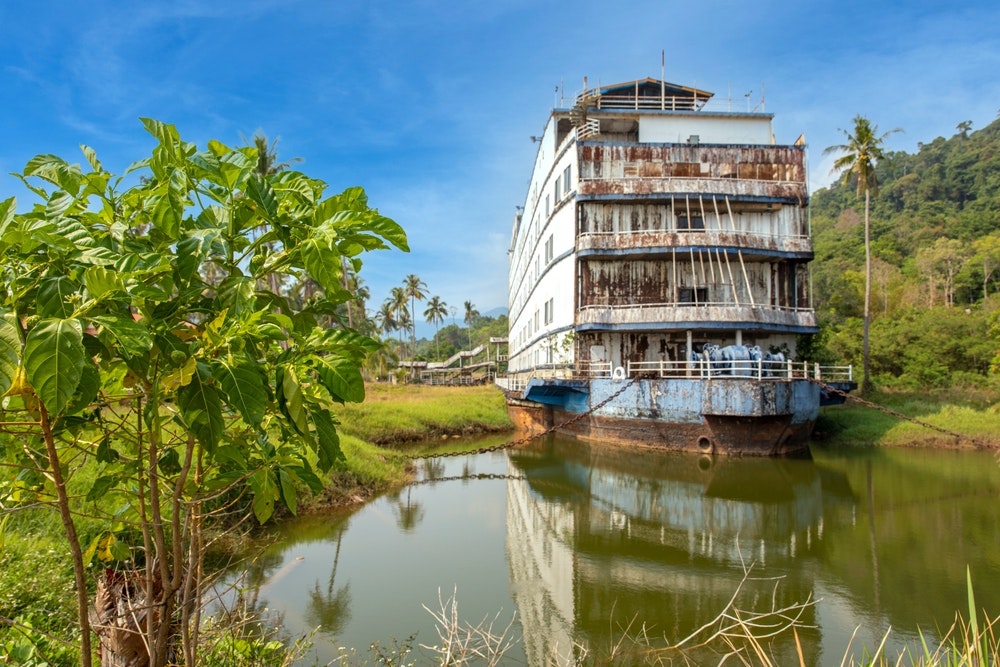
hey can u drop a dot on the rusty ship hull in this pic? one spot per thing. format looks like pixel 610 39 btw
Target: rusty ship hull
pixel 718 416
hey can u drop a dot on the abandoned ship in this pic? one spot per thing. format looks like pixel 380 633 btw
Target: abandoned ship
pixel 659 276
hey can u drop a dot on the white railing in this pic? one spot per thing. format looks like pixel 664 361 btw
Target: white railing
pixel 834 373
pixel 688 304
pixel 663 103
pixel 693 233
pixel 746 369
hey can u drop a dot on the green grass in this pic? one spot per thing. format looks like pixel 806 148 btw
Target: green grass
pixel 394 414
pixel 973 415
pixel 37 604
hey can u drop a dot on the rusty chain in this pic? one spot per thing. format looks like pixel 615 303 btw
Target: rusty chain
pixel 981 444
pixel 474 475
pixel 510 444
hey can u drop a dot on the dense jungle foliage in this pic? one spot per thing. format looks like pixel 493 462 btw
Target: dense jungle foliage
pixel 935 269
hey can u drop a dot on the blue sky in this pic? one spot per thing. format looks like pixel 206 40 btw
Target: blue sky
pixel 430 104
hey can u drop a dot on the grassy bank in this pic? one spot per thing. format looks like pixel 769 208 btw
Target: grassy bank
pixel 973 414
pixel 396 414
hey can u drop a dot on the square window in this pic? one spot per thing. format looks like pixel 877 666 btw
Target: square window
pixel 693 224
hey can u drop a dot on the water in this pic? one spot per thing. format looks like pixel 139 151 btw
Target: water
pixel 591 545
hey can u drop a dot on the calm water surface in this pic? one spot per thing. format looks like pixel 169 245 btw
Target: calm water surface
pixel 586 542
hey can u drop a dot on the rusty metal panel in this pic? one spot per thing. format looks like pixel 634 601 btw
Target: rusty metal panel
pixel 777 171
pixel 619 281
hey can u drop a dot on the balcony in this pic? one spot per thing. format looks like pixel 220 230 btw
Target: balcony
pixel 687 315
pixel 654 239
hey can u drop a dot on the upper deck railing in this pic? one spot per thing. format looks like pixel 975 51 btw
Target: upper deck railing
pixel 761 370
pixel 683 314
pixel 666 237
pixel 593 99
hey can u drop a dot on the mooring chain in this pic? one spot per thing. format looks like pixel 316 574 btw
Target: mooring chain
pixel 889 411
pixel 475 475
pixel 510 444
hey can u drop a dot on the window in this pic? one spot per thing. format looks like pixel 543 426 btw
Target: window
pixel 558 190
pixel 694 223
pixel 548 206
pixel 549 308
pixel 548 249
pixel 567 180
pixel 692 295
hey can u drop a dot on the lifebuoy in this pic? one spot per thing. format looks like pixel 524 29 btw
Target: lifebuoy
pixel 618 374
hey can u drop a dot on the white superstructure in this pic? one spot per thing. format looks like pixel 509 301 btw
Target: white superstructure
pixel 657 223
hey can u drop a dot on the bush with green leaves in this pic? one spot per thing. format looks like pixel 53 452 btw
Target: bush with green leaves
pixel 146 329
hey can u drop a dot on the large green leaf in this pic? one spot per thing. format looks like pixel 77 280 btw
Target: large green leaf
pixel 53 361
pixel 389 230
pixel 131 338
pixel 10 351
pixel 53 299
pixel 237 294
pixel 243 385
pixel 59 203
pixel 322 262
pixel 264 485
pixel 193 249
pixel 301 187
pixel 201 409
pixel 329 451
pixel 8 208
pixel 259 191
pixel 56 171
pixel 91 156
pixel 88 388
pixel 100 281
pixel 290 399
pixel 286 488
pixel 344 340
pixel 341 377
pixel 167 213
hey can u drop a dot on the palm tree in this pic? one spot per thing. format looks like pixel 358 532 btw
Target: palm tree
pixel 267 155
pixel 435 312
pixel 400 311
pixel 858 158
pixel 416 290
pixel 385 318
pixel 405 322
pixel 470 316
pixel 354 284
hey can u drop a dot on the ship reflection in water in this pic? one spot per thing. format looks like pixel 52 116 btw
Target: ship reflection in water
pixel 604 543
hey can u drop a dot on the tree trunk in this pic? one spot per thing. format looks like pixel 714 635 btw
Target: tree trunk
pixel 866 381
pixel 69 526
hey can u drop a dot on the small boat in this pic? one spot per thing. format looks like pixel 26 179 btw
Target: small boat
pixel 659 277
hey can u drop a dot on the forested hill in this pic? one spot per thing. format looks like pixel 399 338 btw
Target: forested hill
pixel 936 263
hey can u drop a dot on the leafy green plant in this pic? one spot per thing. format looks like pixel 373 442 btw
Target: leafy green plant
pixel 144 329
